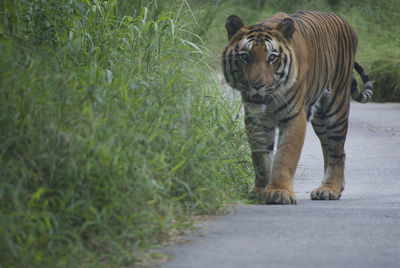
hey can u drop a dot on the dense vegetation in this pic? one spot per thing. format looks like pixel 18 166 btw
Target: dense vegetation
pixel 113 131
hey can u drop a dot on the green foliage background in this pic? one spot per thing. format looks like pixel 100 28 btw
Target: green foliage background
pixel 113 128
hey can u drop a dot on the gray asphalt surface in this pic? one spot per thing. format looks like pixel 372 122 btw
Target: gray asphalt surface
pixel 362 229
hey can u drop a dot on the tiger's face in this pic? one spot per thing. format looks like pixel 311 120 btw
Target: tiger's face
pixel 258 60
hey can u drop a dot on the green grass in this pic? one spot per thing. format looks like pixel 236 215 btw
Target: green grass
pixel 113 133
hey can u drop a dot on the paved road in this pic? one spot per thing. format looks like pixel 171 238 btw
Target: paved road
pixel 362 229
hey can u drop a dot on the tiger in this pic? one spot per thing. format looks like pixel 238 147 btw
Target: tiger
pixel 290 69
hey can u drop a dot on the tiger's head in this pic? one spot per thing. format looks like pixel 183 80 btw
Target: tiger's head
pixel 258 60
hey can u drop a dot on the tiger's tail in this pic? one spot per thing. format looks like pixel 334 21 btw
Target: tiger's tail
pixel 356 93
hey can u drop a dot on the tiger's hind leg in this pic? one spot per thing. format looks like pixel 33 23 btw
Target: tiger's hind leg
pixel 330 123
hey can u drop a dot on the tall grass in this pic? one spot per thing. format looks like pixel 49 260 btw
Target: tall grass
pixel 111 131
pixel 376 24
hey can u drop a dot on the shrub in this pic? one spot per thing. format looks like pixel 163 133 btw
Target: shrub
pixel 112 131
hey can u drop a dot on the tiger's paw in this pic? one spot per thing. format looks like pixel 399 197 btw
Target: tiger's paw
pixel 280 196
pixel 325 192
pixel 256 193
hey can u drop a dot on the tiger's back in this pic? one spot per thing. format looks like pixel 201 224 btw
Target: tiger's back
pixel 331 46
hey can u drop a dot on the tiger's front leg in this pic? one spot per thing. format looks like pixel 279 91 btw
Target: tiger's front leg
pixel 280 187
pixel 262 161
pixel 261 134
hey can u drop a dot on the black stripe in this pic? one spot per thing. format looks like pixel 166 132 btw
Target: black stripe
pixel 317 125
pixel 287 119
pixel 359 97
pixel 267 129
pixel 339 108
pixel 319 133
pixel 286 104
pixel 344 128
pixel 336 156
pixel 368 88
pixel 224 65
pixel 336 137
pixel 339 121
pixel 231 59
pixel 353 85
pixel 290 67
pixel 270 147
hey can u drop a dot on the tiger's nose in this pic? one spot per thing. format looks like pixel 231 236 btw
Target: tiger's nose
pixel 258 86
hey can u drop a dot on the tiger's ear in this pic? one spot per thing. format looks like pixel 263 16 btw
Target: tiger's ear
pixel 233 25
pixel 286 27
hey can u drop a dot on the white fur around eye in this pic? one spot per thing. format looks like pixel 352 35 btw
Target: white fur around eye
pixel 271 45
pixel 268 45
pixel 246 44
pixel 272 56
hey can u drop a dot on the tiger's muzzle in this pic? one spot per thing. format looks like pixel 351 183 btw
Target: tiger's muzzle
pixel 256 97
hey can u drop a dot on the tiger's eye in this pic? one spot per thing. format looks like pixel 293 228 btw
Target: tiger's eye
pixel 272 58
pixel 244 57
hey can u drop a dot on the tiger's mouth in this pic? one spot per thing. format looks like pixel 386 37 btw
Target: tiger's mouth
pixel 258 99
